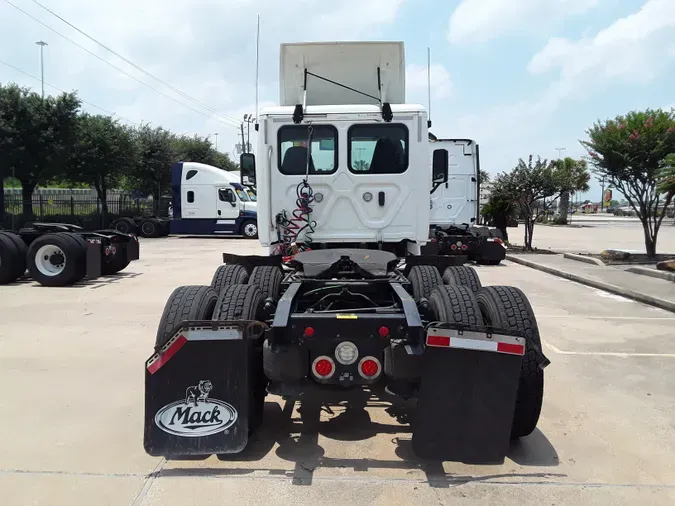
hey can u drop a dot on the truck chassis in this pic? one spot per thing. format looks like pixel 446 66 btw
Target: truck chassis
pixel 470 356
pixel 482 245
pixel 145 226
pixel 57 254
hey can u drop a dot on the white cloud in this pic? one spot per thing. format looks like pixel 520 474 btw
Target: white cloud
pixel 205 48
pixel 632 49
pixel 482 20
pixel 417 81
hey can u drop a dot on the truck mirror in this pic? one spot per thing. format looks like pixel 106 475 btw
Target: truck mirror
pixel 440 166
pixel 247 168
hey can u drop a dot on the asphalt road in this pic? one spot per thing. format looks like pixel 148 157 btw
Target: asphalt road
pixel 71 367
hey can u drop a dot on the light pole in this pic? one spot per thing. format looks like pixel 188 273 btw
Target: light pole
pixel 248 118
pixel 560 150
pixel 42 45
pixel 216 135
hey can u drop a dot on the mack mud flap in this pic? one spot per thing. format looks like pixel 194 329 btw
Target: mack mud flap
pixel 198 391
pixel 467 396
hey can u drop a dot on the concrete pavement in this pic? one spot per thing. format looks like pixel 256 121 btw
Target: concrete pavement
pixel 71 366
pixel 594 237
pixel 648 290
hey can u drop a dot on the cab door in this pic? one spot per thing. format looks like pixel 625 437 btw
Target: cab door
pixel 227 206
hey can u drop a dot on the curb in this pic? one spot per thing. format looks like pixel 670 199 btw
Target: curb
pixel 585 259
pixel 617 290
pixel 668 276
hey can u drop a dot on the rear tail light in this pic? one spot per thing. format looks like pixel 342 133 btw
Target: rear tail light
pixel 370 368
pixel 309 331
pixel 323 367
pixel 464 247
pixel 453 247
pixel 383 331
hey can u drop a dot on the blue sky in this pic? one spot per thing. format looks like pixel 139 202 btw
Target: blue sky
pixel 519 77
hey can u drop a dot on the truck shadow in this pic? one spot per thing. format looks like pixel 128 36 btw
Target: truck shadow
pixel 296 440
pixel 84 283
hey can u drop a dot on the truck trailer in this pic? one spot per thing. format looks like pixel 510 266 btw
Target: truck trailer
pixel 344 299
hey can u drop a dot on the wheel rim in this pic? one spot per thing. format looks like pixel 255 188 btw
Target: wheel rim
pixel 50 260
pixel 148 228
pixel 122 227
pixel 250 230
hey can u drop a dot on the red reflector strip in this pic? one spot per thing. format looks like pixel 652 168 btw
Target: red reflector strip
pixel 162 359
pixel 438 341
pixel 514 349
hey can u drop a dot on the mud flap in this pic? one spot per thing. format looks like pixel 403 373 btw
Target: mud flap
pixel 93 260
pixel 490 250
pixel 132 249
pixel 467 396
pixel 198 391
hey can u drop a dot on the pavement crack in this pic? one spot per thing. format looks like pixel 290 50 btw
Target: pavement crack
pixel 150 478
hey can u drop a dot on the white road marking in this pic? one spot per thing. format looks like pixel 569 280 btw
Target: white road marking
pixel 609 353
pixel 576 316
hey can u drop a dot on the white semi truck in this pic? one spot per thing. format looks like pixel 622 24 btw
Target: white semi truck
pixel 205 200
pixel 455 206
pixel 343 300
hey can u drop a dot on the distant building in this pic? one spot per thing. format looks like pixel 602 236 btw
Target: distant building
pixel 485 191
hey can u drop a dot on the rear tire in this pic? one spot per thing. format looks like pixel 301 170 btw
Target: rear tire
pixel 246 302
pixel 56 260
pixel 455 304
pixel 14 257
pixel 424 279
pixel 150 227
pixel 125 226
pixel 185 303
pixel 462 275
pixel 228 274
pixel 269 279
pixel 507 307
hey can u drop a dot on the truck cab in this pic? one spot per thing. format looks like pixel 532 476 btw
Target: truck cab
pixel 343 159
pixel 207 201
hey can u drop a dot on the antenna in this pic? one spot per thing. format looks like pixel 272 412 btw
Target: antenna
pixel 429 84
pixel 257 67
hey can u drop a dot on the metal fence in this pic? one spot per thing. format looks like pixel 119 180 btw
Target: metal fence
pixel 88 213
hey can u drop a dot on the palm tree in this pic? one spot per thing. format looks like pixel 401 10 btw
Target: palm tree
pixel 573 176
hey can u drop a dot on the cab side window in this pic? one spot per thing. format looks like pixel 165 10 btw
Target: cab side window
pixel 226 195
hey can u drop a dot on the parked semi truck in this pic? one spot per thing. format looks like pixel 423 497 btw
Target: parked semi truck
pixel 206 200
pixel 344 299
pixel 455 206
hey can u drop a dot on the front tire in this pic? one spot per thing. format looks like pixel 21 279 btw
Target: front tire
pixel 249 229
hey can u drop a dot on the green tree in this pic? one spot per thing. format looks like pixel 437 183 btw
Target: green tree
pixel 483 177
pixel 103 154
pixel 36 136
pixel 571 176
pixel 193 149
pixel 223 161
pixel 528 186
pixel 666 179
pixel 155 148
pixel 628 151
pixel 199 149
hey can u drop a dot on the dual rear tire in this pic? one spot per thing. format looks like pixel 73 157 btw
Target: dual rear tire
pixel 458 297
